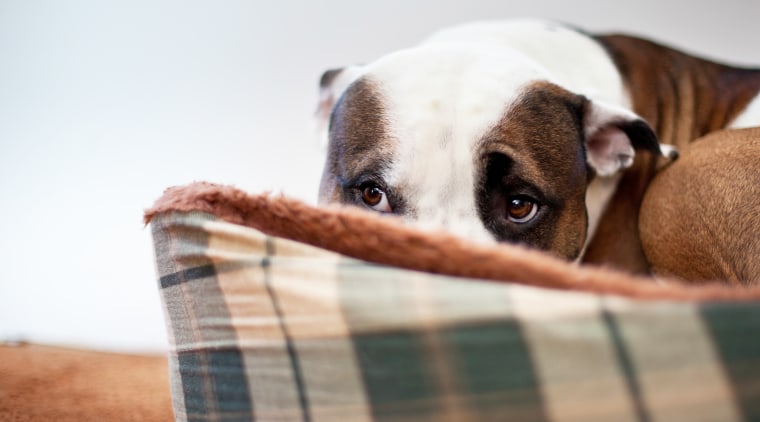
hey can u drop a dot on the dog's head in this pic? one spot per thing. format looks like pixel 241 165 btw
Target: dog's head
pixel 480 142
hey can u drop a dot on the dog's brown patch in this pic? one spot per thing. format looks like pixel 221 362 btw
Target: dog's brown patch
pixel 359 140
pixel 537 146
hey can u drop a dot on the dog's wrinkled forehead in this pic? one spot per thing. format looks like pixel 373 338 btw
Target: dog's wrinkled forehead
pixel 422 101
pixel 444 92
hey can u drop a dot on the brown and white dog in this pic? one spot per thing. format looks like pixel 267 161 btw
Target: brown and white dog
pixel 524 131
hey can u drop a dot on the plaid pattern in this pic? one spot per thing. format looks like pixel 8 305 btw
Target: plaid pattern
pixel 263 328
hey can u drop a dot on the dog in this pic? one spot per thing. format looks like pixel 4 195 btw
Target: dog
pixel 525 131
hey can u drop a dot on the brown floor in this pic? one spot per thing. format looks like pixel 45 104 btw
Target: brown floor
pixel 42 383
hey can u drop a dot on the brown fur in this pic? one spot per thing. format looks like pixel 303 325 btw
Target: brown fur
pixel 683 98
pixel 343 230
pixel 700 218
pixel 358 116
pixel 541 136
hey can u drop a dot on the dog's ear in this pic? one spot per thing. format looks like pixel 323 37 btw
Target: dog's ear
pixel 327 96
pixel 612 136
pixel 331 86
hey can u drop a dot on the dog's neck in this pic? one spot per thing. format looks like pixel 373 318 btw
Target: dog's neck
pixel 683 97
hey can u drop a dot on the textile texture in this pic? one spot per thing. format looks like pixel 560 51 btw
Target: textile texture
pixel 267 328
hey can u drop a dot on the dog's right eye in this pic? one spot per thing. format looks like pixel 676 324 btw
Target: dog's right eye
pixel 521 209
pixel 375 198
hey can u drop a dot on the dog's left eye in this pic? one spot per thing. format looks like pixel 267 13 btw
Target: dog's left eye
pixel 375 198
pixel 521 209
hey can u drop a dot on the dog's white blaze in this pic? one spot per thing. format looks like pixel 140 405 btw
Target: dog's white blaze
pixel 442 103
pixel 750 117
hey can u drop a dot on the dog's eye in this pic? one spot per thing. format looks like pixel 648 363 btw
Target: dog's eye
pixel 521 209
pixel 375 198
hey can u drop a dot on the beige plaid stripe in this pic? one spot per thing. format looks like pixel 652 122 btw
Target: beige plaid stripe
pixel 575 363
pixel 240 252
pixel 302 281
pixel 680 374
pixel 309 297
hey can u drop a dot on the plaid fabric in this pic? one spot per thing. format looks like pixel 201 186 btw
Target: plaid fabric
pixel 263 328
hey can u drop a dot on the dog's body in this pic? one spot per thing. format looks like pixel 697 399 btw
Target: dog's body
pixel 524 132
pixel 713 214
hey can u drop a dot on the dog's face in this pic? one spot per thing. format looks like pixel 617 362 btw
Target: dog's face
pixel 480 143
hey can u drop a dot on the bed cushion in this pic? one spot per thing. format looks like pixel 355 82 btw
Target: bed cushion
pixel 277 310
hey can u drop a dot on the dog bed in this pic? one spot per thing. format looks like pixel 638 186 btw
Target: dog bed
pixel 277 310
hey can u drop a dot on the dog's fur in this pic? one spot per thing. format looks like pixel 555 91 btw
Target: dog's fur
pixel 490 118
pixel 699 221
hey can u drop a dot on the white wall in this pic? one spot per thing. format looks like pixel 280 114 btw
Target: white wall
pixel 104 104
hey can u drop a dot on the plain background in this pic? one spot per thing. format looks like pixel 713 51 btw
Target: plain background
pixel 103 104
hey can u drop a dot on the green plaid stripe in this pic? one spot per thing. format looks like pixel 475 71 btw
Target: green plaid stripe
pixel 267 329
pixel 430 349
pixel 737 341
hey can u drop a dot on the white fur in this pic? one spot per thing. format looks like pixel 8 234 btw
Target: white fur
pixel 750 117
pixel 598 195
pixel 669 151
pixel 553 46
